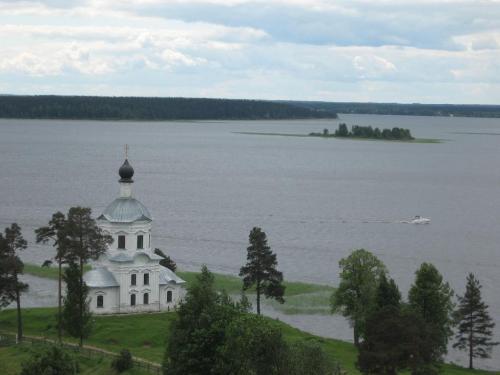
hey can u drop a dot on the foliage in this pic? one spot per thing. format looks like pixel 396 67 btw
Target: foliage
pixel 309 358
pixel 137 108
pixel 355 296
pixel 431 298
pixel 167 261
pixel 76 319
pixel 198 331
pixel 260 269
pixel 50 361
pixel 475 326
pixel 388 293
pixel 11 266
pixel 123 362
pixel 369 132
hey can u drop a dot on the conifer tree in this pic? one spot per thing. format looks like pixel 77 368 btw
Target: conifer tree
pixel 85 242
pixel 475 326
pixel 11 267
pixel 76 318
pixel 260 269
pixel 56 232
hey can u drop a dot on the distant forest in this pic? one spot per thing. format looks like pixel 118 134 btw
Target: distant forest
pixel 141 108
pixel 461 110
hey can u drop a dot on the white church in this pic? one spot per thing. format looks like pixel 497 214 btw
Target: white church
pixel 128 278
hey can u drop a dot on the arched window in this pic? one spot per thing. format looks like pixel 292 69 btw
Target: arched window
pixel 146 298
pixel 100 302
pixel 169 296
pixel 132 300
pixel 121 242
pixel 140 241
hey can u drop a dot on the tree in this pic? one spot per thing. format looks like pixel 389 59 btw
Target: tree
pixel 11 267
pixel 52 360
pixel 475 326
pixel 123 362
pixel 167 261
pixel 388 293
pixel 198 331
pixel 355 296
pixel 56 232
pixel 85 241
pixel 260 269
pixel 76 318
pixel 431 298
pixel 342 131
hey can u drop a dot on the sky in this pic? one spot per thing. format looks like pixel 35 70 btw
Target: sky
pixel 407 51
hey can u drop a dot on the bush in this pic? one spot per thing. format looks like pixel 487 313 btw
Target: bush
pixel 123 362
pixel 52 360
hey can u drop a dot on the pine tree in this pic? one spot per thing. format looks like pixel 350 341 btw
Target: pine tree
pixel 475 326
pixel 56 232
pixel 85 242
pixel 260 269
pixel 11 267
pixel 76 317
pixel 166 261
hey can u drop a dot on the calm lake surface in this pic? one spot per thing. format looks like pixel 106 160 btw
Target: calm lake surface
pixel 317 199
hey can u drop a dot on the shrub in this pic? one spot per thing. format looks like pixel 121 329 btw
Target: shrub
pixel 52 360
pixel 123 362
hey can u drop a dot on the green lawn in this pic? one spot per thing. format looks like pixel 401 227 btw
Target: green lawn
pixel 12 357
pixel 144 335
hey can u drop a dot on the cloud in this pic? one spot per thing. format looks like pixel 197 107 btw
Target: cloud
pixel 301 49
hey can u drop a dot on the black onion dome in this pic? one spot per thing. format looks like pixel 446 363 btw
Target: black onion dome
pixel 126 172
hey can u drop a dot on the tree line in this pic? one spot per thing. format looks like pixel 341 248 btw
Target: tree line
pixel 150 108
pixel 415 109
pixel 393 335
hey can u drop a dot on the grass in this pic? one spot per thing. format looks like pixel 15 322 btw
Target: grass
pixel 13 356
pixel 416 140
pixel 144 335
pixel 45 272
pixel 301 298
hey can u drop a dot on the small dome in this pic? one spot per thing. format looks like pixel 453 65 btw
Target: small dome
pixel 126 172
pixel 125 210
pixel 99 278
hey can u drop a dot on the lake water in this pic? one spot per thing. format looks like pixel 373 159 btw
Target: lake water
pixel 317 199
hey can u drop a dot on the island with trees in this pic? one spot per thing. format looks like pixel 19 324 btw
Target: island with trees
pixel 367 132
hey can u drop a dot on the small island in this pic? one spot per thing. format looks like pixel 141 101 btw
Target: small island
pixel 367 132
pixel 359 133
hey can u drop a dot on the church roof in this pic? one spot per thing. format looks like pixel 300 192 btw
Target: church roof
pixel 125 210
pixel 99 278
pixel 169 277
pixel 124 257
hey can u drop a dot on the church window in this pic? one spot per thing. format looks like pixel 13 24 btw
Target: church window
pixel 169 296
pixel 140 242
pixel 146 298
pixel 146 279
pixel 132 300
pixel 121 242
pixel 100 301
pixel 133 279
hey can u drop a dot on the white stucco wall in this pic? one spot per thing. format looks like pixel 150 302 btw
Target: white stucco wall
pixel 111 300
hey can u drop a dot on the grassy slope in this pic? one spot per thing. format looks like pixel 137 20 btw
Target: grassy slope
pixel 12 357
pixel 145 336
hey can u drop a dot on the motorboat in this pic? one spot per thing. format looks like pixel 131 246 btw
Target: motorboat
pixel 419 220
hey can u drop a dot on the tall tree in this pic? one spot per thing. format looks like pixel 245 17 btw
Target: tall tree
pixel 260 269
pixel 475 326
pixel 355 296
pixel 11 243
pixel 431 298
pixel 76 319
pixel 85 242
pixel 56 232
